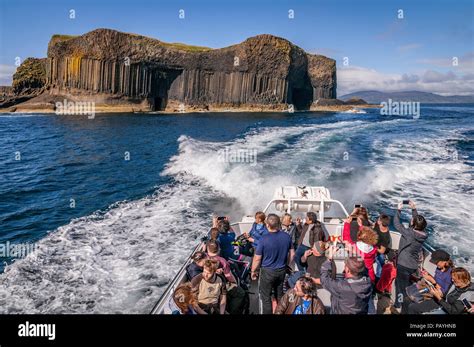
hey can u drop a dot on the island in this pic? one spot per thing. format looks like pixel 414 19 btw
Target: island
pixel 123 72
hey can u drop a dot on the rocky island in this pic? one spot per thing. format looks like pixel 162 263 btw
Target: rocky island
pixel 122 72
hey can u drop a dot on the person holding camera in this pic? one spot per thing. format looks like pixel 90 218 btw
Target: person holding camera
pixel 352 294
pixel 409 250
pixel 313 259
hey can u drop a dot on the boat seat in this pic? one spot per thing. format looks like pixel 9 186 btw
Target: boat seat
pixel 325 297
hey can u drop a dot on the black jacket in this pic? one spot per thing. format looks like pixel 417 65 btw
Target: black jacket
pixel 349 295
pixel 294 233
pixel 316 233
pixel 452 303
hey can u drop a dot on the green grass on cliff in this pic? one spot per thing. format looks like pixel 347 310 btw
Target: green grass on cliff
pixel 58 37
pixel 188 48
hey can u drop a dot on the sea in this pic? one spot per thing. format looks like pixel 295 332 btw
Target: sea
pixel 98 215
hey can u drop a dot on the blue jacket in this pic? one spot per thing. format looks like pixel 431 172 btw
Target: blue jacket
pixel 225 242
pixel 257 234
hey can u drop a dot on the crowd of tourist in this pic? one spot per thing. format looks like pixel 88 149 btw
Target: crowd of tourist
pixel 293 264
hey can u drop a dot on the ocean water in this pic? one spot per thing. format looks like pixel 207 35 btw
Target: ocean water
pixel 110 233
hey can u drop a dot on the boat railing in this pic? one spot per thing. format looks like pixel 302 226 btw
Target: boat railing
pixel 174 283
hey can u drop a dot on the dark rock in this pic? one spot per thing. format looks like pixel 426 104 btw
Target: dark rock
pixel 329 102
pixel 29 77
pixel 110 67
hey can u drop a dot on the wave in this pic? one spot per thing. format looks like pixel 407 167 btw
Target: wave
pixel 114 261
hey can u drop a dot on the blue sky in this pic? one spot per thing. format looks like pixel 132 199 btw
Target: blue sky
pixel 383 51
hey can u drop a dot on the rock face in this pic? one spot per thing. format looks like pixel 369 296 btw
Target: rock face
pixel 112 67
pixel 29 81
pixel 30 76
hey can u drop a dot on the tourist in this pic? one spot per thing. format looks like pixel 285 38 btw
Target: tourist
pixel 273 254
pixel 184 301
pixel 352 294
pixel 290 228
pixel 195 268
pixel 384 242
pixel 257 231
pixel 236 295
pixel 303 299
pixel 444 265
pixel 409 250
pixel 210 288
pixel 213 252
pixel 384 284
pixel 226 238
pixel 442 280
pixel 310 232
pixel 366 242
pixel 312 259
pixel 351 226
pixel 452 302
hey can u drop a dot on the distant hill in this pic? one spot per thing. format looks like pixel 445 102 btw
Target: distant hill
pixel 375 97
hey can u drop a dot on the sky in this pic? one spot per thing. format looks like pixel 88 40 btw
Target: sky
pixel 386 45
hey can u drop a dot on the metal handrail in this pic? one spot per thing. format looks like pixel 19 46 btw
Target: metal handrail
pixel 176 279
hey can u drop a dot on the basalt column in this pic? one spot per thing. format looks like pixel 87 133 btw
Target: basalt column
pixel 134 81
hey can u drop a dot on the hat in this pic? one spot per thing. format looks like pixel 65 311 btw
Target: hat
pixel 438 256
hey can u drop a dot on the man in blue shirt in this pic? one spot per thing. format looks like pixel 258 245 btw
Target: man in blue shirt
pixel 274 252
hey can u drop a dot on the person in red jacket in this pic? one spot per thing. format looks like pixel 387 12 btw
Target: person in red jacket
pixel 356 220
pixel 366 241
pixel 351 227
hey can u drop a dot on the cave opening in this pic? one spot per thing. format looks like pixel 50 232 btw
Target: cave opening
pixel 159 103
pixel 302 98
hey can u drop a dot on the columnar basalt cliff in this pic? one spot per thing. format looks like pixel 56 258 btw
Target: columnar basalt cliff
pixel 115 68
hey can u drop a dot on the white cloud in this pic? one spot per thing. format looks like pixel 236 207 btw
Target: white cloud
pixel 356 78
pixel 463 63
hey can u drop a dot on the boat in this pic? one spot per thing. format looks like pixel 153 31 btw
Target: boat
pixel 296 200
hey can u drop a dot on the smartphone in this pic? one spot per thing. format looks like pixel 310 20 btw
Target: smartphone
pixel 431 285
pixel 466 303
pixel 406 202
pixel 354 219
pixel 357 205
